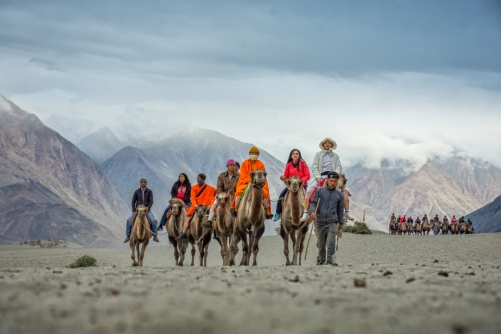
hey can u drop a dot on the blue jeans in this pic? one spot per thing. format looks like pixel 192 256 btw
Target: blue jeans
pixel 153 223
pixel 162 220
pixel 279 202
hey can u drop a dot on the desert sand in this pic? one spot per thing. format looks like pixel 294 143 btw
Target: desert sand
pixel 414 284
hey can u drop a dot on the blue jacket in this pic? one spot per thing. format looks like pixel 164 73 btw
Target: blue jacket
pixel 137 199
pixel 331 207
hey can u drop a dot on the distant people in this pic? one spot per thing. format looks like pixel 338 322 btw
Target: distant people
pixel 226 183
pixel 324 162
pixel 296 166
pixel 410 222
pixel 238 167
pixel 142 196
pixel 201 193
pixel 461 220
pixel 454 220
pixel 418 221
pixel 403 221
pixel 329 217
pixel 181 189
pixel 248 166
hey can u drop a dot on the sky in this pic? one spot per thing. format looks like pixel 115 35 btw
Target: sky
pixel 387 80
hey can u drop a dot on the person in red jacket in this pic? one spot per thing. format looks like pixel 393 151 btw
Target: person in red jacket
pixel 404 221
pixel 296 166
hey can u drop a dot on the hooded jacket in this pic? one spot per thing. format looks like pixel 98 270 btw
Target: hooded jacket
pixel 316 167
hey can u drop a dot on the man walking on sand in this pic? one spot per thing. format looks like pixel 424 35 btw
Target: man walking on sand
pixel 327 208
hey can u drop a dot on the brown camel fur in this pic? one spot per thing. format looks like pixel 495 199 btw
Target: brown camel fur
pixel 224 227
pixel 444 227
pixel 291 220
pixel 174 228
pixel 418 228
pixel 393 225
pixel 454 229
pixel 427 226
pixel 250 219
pixel 198 236
pixel 465 228
pixel 402 228
pixel 141 234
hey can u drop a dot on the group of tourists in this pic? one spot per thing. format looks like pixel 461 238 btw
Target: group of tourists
pixel 326 166
pixel 410 223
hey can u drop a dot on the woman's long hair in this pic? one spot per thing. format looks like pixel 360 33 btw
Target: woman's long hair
pixel 186 180
pixel 290 157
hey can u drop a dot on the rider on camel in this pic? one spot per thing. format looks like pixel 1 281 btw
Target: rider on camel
pixel 248 166
pixel 226 183
pixel 201 193
pixel 324 162
pixel 181 189
pixel 142 196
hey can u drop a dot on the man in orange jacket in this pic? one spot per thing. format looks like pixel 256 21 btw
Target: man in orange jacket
pixel 201 193
pixel 247 167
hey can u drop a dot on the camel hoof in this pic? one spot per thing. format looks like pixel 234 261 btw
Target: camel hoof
pixel 135 264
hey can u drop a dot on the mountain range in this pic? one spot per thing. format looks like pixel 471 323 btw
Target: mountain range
pixel 487 218
pixel 51 189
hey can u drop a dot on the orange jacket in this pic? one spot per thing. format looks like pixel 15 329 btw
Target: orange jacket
pixel 206 198
pixel 245 170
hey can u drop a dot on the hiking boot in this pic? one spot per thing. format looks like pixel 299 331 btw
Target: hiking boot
pixel 155 238
pixel 127 239
pixel 233 212
pixel 305 216
pixel 269 216
pixel 347 215
pixel 207 225
pixel 182 237
pixel 276 217
pixel 160 227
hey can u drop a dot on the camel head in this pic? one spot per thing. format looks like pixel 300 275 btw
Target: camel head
pixel 258 178
pixel 294 184
pixel 223 199
pixel 141 210
pixel 202 210
pixel 341 181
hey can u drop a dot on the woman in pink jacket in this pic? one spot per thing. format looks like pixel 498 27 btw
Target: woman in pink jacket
pixel 296 166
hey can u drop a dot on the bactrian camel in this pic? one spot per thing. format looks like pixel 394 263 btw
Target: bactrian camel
pixel 174 228
pixel 140 234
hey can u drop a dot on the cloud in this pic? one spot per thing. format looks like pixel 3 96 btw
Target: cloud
pixel 48 65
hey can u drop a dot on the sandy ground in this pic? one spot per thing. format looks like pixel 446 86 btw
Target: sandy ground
pixel 404 291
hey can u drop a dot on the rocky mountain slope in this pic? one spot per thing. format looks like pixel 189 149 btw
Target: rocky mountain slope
pixel 453 187
pixel 487 218
pixel 49 188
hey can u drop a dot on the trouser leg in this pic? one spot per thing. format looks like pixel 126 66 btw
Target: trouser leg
pixel 322 232
pixel 212 211
pixel 331 242
pixel 279 202
pixel 163 219
pixel 153 223
pixel 128 227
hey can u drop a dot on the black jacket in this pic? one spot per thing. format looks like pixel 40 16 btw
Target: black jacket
pixel 187 195
pixel 137 199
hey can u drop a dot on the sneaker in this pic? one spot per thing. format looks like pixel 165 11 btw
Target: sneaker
pixel 160 227
pixel 127 239
pixel 155 238
pixel 305 216
pixel 347 215
pixel 233 212
pixel 276 217
pixel 207 225
pixel 182 237
pixel 320 263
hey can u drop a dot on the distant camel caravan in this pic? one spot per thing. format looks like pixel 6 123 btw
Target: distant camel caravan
pixel 402 226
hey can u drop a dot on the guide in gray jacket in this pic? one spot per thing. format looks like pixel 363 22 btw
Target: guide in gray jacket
pixel 329 207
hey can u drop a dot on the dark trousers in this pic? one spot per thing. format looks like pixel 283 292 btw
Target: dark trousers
pixel 279 202
pixel 326 238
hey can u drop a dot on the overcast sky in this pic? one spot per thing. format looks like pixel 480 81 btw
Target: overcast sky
pixel 385 79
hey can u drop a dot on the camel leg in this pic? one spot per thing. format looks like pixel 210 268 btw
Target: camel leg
pixel 206 251
pixel 173 241
pixel 285 238
pixel 234 240
pixel 182 248
pixel 138 253
pixel 193 252
pixel 245 247
pixel 143 250
pixel 298 248
pixel 255 243
pixel 132 255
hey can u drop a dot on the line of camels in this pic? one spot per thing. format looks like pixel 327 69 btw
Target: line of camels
pixel 247 228
pixel 424 228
